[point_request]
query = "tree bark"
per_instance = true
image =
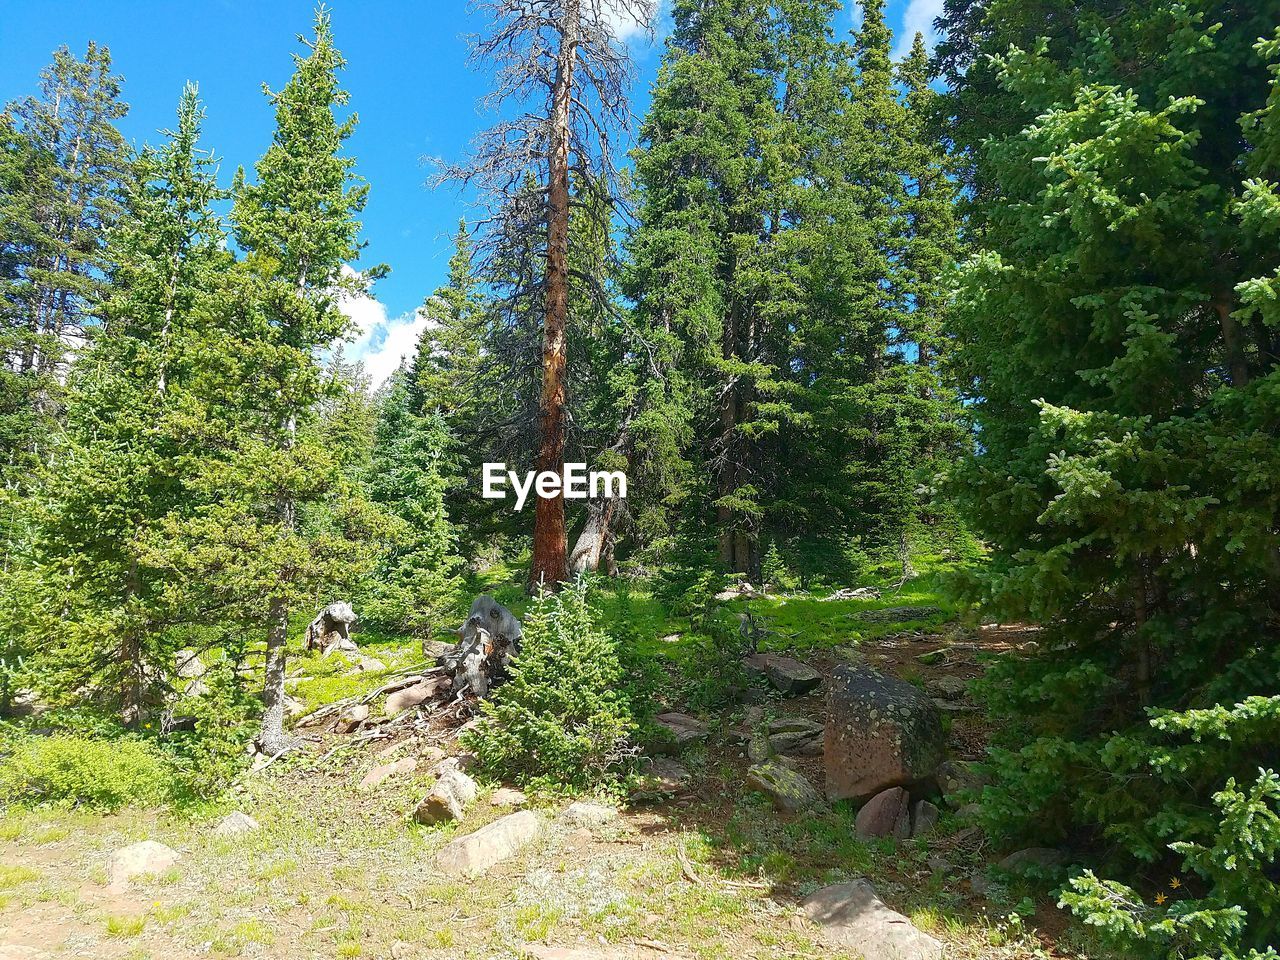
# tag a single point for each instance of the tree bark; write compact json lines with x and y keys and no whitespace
{"x":591,"y":549}
{"x":272,"y":738}
{"x":550,"y":542}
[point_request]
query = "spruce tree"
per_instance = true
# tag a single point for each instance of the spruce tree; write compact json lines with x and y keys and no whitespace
{"x":1116,"y":341}
{"x":415,"y":587}
{"x":117,"y":471}
{"x":65,"y":165}
{"x":297,"y":226}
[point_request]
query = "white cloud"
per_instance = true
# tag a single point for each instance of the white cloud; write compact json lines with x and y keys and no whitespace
{"x":918,"y":18}
{"x":380,"y":342}
{"x":623,"y":22}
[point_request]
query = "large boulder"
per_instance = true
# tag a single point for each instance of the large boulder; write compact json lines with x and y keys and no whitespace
{"x":139,"y":859}
{"x":475,"y":853}
{"x":881,"y":733}
{"x":854,"y":918}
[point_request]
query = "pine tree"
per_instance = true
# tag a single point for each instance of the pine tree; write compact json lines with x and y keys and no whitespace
{"x":1116,"y":341}
{"x":415,"y":586}
{"x":64,"y":168}
{"x":297,"y":226}
{"x":117,"y":470}
{"x":699,"y":258}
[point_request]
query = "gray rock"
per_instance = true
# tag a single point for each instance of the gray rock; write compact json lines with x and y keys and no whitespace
{"x":807,"y":744}
{"x":448,"y":799}
{"x":881,"y":732}
{"x":785,"y":674}
{"x":789,"y":789}
{"x":796,"y":725}
{"x":139,"y":859}
{"x":970,"y":811}
{"x":684,"y":729}
{"x":235,"y":824}
{"x":954,"y":778}
{"x":887,"y":814}
{"x":587,"y":815}
{"x":473,"y":854}
{"x":1043,"y":857}
{"x":947,"y":687}
{"x":662,"y":777}
{"x":852,"y":917}
{"x":954,"y":706}
{"x":924,"y":817}
{"x":189,"y":665}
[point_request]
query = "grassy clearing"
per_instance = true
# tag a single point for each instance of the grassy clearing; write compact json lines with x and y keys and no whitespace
{"x":334,"y":872}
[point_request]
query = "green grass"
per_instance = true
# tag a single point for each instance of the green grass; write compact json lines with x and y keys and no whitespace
{"x":127,"y":926}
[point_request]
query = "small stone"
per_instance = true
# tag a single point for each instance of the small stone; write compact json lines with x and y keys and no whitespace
{"x":947,"y":687}
{"x":932,"y":657}
{"x":806,"y":743}
{"x":954,"y":778}
{"x":365,"y":664}
{"x":431,"y":756}
{"x":854,"y":918}
{"x":785,"y":674}
{"x":939,"y":865}
{"x":662,"y":777}
{"x":448,"y":799}
{"x":887,"y":814}
{"x":349,"y":720}
{"x":924,"y":817}
{"x":473,"y":854}
{"x":508,"y":797}
{"x":405,"y":698}
{"x":789,"y":789}
{"x":671,"y":638}
{"x":588,"y":815}
{"x":970,"y":811}
{"x":385,"y":771}
{"x":683,"y":728}
{"x":235,"y":824}
{"x":139,"y":859}
{"x":953,"y":706}
{"x":1043,"y":857}
{"x":796,"y":725}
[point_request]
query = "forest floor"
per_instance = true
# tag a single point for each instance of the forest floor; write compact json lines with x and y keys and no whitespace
{"x":712,"y":872}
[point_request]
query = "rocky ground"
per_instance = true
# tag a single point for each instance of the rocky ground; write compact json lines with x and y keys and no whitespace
{"x":342,"y":852}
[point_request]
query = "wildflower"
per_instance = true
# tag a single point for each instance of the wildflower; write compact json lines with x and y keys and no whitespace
{"x":1174,"y":883}
{"x":1160,"y":899}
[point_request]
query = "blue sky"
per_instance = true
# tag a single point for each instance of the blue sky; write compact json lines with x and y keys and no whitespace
{"x":408,"y":81}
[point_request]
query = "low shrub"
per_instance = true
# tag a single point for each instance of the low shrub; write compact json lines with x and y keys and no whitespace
{"x":72,"y":770}
{"x":566,"y":718}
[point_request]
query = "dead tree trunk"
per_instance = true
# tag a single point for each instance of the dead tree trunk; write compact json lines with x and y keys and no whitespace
{"x":550,"y":542}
